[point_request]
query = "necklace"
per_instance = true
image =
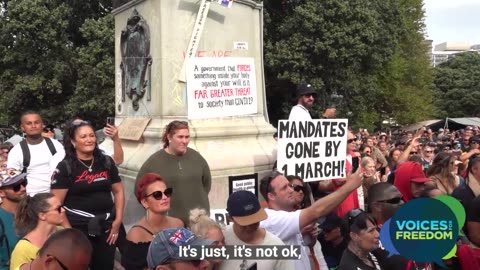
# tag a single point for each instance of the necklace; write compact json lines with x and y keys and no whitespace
{"x":88,"y":167}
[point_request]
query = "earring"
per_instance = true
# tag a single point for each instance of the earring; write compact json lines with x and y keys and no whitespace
{"x":146,"y":214}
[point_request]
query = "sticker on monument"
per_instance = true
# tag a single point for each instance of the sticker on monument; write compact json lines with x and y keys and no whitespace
{"x":226,"y":3}
{"x":240,"y":45}
{"x":313,"y":150}
{"x":221,"y":87}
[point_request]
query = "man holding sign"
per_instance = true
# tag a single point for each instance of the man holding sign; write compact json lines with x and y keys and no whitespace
{"x":305,"y":98}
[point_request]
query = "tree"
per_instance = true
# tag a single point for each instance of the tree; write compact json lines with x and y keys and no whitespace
{"x":35,"y":58}
{"x":95,"y":87}
{"x":57,"y":58}
{"x":457,"y":86}
{"x":358,"y":49}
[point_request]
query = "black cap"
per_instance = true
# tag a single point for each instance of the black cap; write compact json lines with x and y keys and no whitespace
{"x":305,"y":89}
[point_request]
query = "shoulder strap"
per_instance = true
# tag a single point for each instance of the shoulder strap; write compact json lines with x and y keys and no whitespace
{"x":3,"y":238}
{"x":52,"y":148}
{"x":26,"y":155}
{"x":68,"y":167}
{"x":141,"y":227}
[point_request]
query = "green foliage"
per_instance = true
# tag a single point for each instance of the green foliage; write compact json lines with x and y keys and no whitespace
{"x":371,"y":52}
{"x":457,"y":86}
{"x":96,"y":71}
{"x":54,"y":58}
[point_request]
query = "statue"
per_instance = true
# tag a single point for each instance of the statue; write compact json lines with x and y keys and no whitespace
{"x":136,"y":60}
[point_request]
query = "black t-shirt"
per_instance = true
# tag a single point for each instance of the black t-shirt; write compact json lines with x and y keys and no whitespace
{"x":87,"y":191}
{"x":331,"y":253}
{"x":465,"y":195}
{"x":473,"y":210}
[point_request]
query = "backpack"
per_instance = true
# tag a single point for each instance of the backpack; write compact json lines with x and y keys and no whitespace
{"x":4,"y":240}
{"x":26,"y":152}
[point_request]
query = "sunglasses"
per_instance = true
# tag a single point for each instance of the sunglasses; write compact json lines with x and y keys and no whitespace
{"x":428,"y":152}
{"x":17,"y":187}
{"x":47,"y":130}
{"x":351,"y":140}
{"x":396,"y":200}
{"x":80,"y":123}
{"x":352,"y":215}
{"x":309,"y":95}
{"x":368,"y":152}
{"x":297,"y":188}
{"x":58,"y":209}
{"x":158,"y":195}
{"x":413,"y":153}
{"x":59,"y":262}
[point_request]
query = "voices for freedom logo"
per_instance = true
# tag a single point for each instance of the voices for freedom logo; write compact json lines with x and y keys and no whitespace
{"x":424,"y":230}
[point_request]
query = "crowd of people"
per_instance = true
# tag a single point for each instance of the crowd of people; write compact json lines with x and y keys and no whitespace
{"x":63,"y":203}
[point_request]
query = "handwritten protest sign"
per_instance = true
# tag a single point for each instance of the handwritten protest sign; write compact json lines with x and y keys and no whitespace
{"x":313,"y":150}
{"x":219,"y":87}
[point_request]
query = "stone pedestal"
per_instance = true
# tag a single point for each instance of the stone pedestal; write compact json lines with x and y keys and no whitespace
{"x":233,"y":145}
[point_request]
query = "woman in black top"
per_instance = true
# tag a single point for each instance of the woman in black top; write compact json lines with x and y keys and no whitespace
{"x":153,"y":194}
{"x":360,"y":230}
{"x":84,"y":182}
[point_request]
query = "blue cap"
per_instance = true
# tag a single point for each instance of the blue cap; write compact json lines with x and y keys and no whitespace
{"x":244,"y":208}
{"x":166,"y":244}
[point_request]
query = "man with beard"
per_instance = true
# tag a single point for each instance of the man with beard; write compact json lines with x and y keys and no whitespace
{"x":12,"y":190}
{"x":44,"y":155}
{"x":305,"y":98}
{"x":244,"y":209}
{"x":288,"y":224}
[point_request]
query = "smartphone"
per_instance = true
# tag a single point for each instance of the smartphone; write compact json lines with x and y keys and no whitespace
{"x":355,"y":164}
{"x":253,"y":266}
{"x":111,"y":121}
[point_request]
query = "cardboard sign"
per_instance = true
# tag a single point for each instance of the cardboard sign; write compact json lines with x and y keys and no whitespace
{"x":243,"y":182}
{"x":220,"y":87}
{"x":313,"y":150}
{"x":132,"y":128}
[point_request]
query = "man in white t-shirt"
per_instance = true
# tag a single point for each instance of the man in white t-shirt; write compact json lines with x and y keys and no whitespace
{"x":288,"y":224}
{"x":245,"y":210}
{"x":305,"y":98}
{"x":42,"y":162}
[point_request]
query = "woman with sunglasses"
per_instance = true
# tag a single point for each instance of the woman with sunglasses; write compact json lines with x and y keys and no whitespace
{"x":37,"y":218}
{"x":359,"y":229}
{"x":154,"y":196}
{"x":84,"y":182}
{"x":183,"y":169}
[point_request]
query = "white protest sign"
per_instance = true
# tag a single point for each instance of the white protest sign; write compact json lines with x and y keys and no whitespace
{"x":219,"y":87}
{"x":313,"y":150}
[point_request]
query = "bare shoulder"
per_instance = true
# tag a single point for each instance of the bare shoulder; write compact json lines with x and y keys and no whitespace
{"x":175,"y":222}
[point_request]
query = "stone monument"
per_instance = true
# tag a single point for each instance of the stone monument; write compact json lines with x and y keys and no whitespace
{"x":154,"y":42}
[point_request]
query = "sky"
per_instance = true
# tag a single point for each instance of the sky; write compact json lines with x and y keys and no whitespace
{"x":453,"y":20}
